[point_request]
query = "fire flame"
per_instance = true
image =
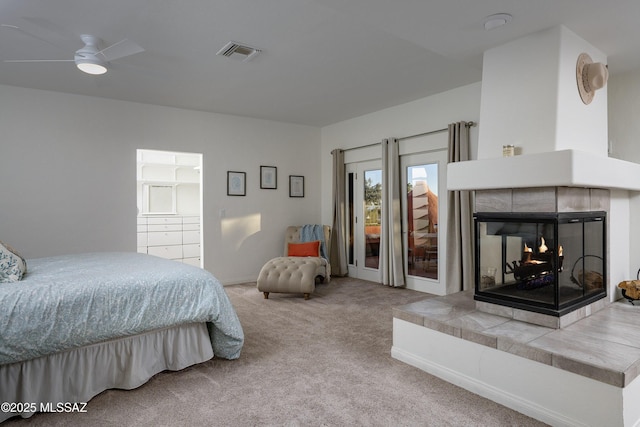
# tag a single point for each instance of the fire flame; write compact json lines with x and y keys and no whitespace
{"x":542,"y":248}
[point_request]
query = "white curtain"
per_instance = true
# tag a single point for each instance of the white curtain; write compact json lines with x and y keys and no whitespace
{"x":391,"y":261}
{"x":459,"y":261}
{"x":338,"y":248}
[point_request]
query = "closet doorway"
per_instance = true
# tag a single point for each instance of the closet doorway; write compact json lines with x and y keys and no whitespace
{"x":169,"y":200}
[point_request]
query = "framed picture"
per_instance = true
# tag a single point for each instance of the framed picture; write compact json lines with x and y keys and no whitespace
{"x":296,"y":186}
{"x":236,"y":183}
{"x":269,"y":177}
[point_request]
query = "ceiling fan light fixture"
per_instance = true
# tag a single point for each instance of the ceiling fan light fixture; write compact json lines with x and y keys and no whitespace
{"x":91,"y":66}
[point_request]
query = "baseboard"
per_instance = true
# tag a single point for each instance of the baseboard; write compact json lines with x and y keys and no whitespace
{"x":435,"y":288}
{"x":544,"y":392}
{"x":485,"y":390}
{"x":239,"y":280}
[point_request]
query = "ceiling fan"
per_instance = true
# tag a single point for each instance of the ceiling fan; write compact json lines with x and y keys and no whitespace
{"x":90,"y":58}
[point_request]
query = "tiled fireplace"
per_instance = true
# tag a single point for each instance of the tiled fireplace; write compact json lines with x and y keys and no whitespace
{"x":560,"y":172}
{"x":541,"y":253}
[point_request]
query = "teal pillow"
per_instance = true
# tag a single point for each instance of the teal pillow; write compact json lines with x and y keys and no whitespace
{"x":12,"y":265}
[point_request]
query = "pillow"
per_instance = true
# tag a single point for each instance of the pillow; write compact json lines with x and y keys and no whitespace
{"x":305,"y":249}
{"x":12,"y":265}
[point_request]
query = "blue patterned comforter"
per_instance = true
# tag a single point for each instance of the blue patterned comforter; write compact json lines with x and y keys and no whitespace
{"x":70,"y":301}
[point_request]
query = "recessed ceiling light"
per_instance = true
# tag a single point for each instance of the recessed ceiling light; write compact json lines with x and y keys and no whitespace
{"x":497,"y":20}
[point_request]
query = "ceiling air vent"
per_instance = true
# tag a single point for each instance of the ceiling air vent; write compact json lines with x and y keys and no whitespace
{"x":239,"y":51}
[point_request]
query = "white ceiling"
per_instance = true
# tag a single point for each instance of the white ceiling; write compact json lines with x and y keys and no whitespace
{"x":323,"y":61}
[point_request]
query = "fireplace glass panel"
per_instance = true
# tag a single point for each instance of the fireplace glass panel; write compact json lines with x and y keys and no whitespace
{"x":549,"y":263}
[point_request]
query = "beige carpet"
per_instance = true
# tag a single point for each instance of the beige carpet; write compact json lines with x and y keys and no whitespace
{"x":321,"y":362}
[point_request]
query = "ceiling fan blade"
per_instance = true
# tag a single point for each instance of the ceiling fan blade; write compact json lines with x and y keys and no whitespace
{"x":28,"y":34}
{"x":120,"y":49}
{"x":38,"y":60}
{"x":53,"y":29}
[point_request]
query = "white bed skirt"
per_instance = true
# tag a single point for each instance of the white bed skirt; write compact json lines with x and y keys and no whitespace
{"x":77,"y":375}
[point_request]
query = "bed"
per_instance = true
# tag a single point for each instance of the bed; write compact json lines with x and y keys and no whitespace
{"x":75,"y":326}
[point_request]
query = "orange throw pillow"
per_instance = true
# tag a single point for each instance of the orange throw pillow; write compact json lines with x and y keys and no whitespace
{"x":305,"y":249}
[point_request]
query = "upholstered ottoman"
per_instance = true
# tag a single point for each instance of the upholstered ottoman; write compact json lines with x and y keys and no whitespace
{"x":290,"y":275}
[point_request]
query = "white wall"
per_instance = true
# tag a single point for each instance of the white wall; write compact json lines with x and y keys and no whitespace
{"x":68,"y":174}
{"x":624,"y":113}
{"x":530,"y":97}
{"x":624,"y":128}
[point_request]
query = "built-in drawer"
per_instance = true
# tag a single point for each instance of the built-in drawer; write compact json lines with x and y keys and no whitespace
{"x":191,"y":227}
{"x":191,"y":251}
{"x":164,"y":227}
{"x":142,"y":220}
{"x":142,"y":228}
{"x":190,"y":237}
{"x":164,"y":220}
{"x":164,"y":238}
{"x":191,"y":220}
{"x":169,"y":252}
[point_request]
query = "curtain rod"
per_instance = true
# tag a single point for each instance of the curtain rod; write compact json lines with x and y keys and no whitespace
{"x":467,"y":124}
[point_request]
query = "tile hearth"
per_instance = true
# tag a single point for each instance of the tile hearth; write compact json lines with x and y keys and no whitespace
{"x":604,"y":346}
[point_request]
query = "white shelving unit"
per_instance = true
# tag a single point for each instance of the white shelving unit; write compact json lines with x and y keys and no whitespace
{"x":169,"y":197}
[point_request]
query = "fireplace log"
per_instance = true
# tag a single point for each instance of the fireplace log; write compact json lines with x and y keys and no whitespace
{"x":630,"y":289}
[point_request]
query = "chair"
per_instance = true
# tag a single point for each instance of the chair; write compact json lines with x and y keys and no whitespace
{"x":295,"y":274}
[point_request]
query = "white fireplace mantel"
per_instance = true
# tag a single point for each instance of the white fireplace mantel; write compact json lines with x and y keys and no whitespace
{"x":565,"y":168}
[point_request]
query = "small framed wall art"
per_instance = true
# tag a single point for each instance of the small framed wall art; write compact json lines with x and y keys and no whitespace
{"x":269,"y":177}
{"x":236,"y":183}
{"x":296,"y":186}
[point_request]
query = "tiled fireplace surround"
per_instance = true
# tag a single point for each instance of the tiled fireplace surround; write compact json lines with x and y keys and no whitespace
{"x":542,"y":200}
{"x":589,"y":359}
